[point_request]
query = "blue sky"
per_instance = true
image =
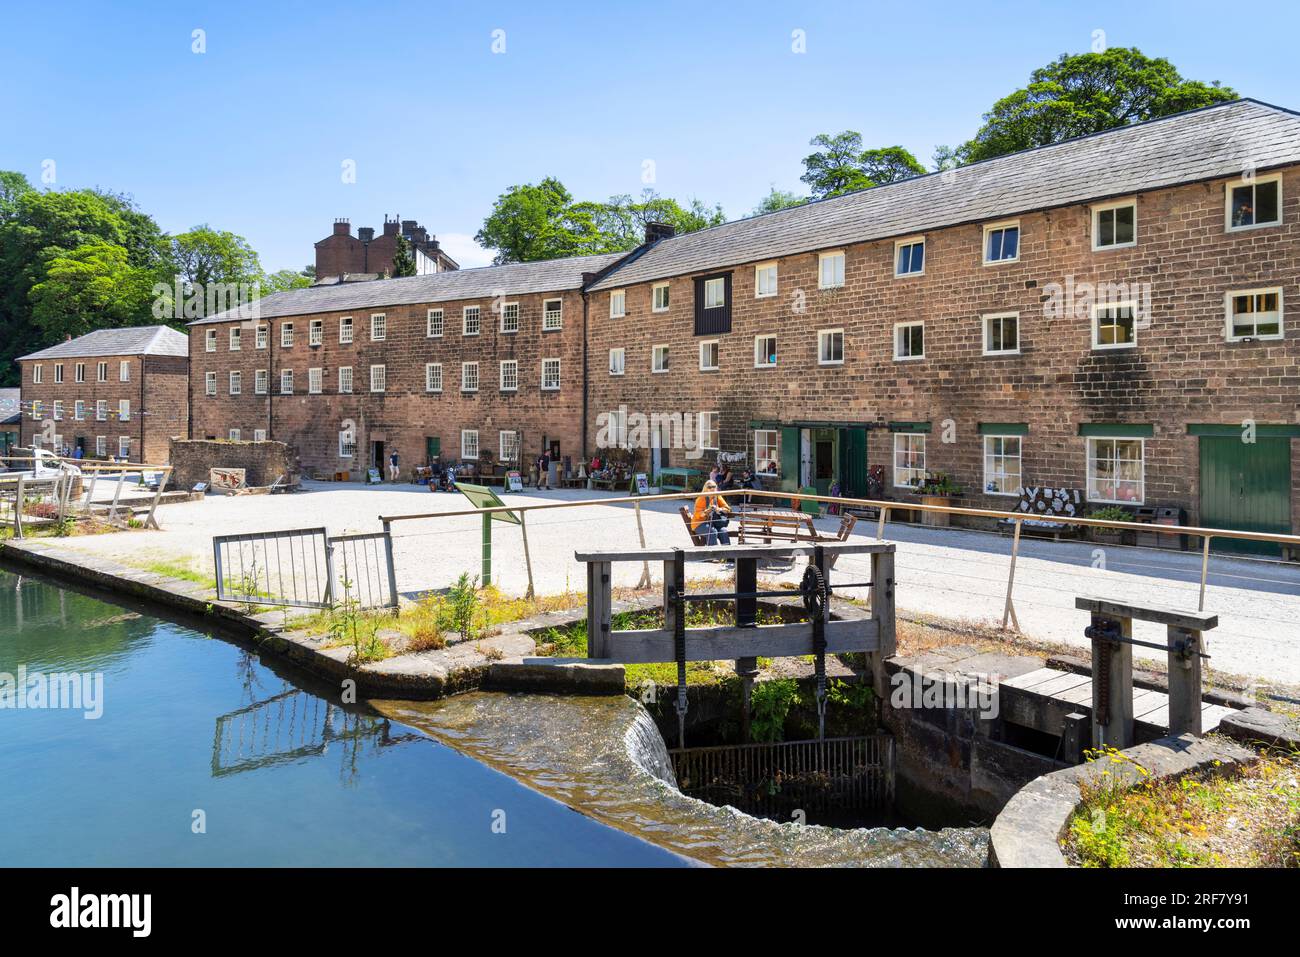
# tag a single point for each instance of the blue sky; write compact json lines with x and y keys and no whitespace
{"x":251,"y":135}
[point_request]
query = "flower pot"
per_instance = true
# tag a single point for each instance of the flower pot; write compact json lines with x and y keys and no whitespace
{"x":936,"y":519}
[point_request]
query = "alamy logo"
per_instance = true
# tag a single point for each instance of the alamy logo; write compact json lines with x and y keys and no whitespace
{"x":622,"y":429}
{"x":37,"y":691}
{"x":103,"y":910}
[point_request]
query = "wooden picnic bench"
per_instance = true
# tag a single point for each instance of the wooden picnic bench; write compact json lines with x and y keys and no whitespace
{"x":782,"y":526}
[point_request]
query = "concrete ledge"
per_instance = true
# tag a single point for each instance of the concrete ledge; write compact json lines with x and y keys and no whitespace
{"x":561,"y":675}
{"x":1259,"y":727}
{"x":1029,"y":830}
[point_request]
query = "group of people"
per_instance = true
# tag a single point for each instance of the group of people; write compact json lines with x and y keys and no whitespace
{"x":712,"y":514}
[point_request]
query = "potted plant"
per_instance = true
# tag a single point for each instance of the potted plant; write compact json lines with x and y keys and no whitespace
{"x":1110,"y":536}
{"x":937,"y":488}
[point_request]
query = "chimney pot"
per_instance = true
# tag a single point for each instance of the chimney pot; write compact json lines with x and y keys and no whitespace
{"x":657,"y":231}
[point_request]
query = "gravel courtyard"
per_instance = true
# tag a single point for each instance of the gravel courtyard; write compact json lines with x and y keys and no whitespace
{"x":951,"y":573}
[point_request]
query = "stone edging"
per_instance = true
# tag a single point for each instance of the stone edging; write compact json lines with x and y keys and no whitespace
{"x":1028,"y":831}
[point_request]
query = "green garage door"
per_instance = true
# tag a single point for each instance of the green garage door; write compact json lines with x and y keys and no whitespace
{"x":1246,"y":486}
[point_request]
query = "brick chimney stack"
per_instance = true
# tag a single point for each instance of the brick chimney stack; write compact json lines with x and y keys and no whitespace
{"x":342,"y":227}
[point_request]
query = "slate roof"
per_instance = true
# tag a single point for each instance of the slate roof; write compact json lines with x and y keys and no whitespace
{"x":10,"y":411}
{"x":485,"y":282}
{"x":1212,"y":142}
{"x":132,"y":341}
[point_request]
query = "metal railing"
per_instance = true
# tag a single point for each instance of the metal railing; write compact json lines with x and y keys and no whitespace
{"x":305,"y":568}
{"x":76,"y":486}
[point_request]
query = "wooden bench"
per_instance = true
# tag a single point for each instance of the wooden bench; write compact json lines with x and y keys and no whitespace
{"x":1040,"y":504}
{"x":697,"y":538}
{"x":789,"y":526}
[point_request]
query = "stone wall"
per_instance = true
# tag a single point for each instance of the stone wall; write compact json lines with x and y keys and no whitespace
{"x":263,"y":462}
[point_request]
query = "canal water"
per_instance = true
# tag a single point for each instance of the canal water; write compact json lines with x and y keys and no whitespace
{"x":176,"y":747}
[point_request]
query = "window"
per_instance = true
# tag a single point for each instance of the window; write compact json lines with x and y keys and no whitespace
{"x":261,"y":335}
{"x":38,"y":374}
{"x":469,"y":321}
{"x":509,"y":317}
{"x":1116,"y":471}
{"x":1253,"y":204}
{"x":709,"y":355}
{"x":345,"y":330}
{"x":830,"y":347}
{"x":101,"y":371}
{"x":80,"y":375}
{"x":469,"y":443}
{"x":210,"y":383}
{"x":210,"y":341}
{"x":236,"y":338}
{"x":659,"y":359}
{"x":345,"y":380}
{"x":909,"y":458}
{"x":552,"y":315}
{"x":909,"y":340}
{"x":550,"y":374}
{"x":508,"y":446}
{"x":261,"y":381}
{"x":378,"y":378}
{"x":315,"y":332}
{"x":433,"y":377}
{"x":709,"y":431}
{"x":712,"y":304}
{"x":1002,"y":464}
{"x":433,"y":324}
{"x":616,"y":361}
{"x":617,"y":304}
{"x":79,"y":410}
{"x":234,"y":435}
{"x":101,"y":445}
{"x":659,"y":297}
{"x":1002,"y":243}
{"x":715,"y":293}
{"x":259,"y":435}
{"x":909,"y":257}
{"x":37,"y":408}
{"x":315,"y":380}
{"x":469,"y":377}
{"x":764,"y":280}
{"x":764,"y":351}
{"x":1254,"y":314}
{"x":286,"y":382}
{"x":830,"y":270}
{"x":286,"y":335}
{"x":1113,"y":326}
{"x":123,"y":371}
{"x":509,"y":375}
{"x":378,"y":327}
{"x":1114,"y":225}
{"x":124,"y":447}
{"x":767,"y":458}
{"x":58,"y":372}
{"x":236,"y":382}
{"x":101,"y":405}
{"x":347,"y":443}
{"x":1002,"y":334}
{"x":58,"y":410}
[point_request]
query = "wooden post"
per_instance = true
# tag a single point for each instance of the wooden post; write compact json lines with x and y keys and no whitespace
{"x":1184,"y":681}
{"x":528,"y":561}
{"x":1008,"y":609}
{"x":1205,"y":569}
{"x":746,"y":617}
{"x":150,"y":521}
{"x":645,"y":566}
{"x":1112,"y":686}
{"x":485,"y":564}
{"x":18,"y":507}
{"x":117,"y":495}
{"x":882,"y":610}
{"x":880,"y":528}
{"x":1075,"y":736}
{"x":598,"y":609}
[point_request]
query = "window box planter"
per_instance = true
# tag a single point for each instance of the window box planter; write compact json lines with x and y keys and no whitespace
{"x":1110,"y":536}
{"x":937,"y":490}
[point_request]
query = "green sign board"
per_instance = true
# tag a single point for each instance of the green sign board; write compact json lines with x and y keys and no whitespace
{"x":483,"y":497}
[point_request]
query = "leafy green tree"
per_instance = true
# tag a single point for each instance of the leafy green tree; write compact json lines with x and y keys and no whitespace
{"x":539,"y":221}
{"x":285,"y":279}
{"x":12,"y":185}
{"x":889,"y":165}
{"x":622,"y":220}
{"x":205,"y":255}
{"x":778,"y":199}
{"x":92,"y":287}
{"x":836,"y":168}
{"x":403,"y":258}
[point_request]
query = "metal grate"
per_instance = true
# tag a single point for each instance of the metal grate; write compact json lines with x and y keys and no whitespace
{"x":774,"y":780}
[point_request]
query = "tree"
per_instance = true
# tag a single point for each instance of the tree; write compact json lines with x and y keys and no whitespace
{"x":622,"y":220}
{"x":889,"y":165}
{"x":205,"y":255}
{"x":835,"y":169}
{"x":1086,"y":93}
{"x":542,"y":221}
{"x":12,"y":185}
{"x":284,"y":279}
{"x":778,"y":199}
{"x":92,"y":287}
{"x":403,"y":258}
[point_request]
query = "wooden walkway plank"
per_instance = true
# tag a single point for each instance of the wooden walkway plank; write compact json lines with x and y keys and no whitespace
{"x":1029,"y":679}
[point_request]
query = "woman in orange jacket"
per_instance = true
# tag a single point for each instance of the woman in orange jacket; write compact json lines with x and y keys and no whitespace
{"x":713,"y":512}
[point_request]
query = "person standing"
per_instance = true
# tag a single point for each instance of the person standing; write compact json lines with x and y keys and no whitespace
{"x":394,"y":466}
{"x":544,"y":470}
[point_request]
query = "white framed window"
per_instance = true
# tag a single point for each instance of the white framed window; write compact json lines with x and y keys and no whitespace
{"x":101,"y":371}
{"x":909,"y":340}
{"x":617,"y":304}
{"x":58,"y":410}
{"x":347,"y":443}
{"x":660,"y":297}
{"x":1116,"y":470}
{"x":469,"y":377}
{"x":79,"y":410}
{"x":710,"y":355}
{"x":37,"y":408}
{"x":710,"y":431}
{"x":261,"y":336}
{"x":236,"y":338}
{"x":715,"y":293}
{"x":909,"y":257}
{"x":830,"y":347}
{"x":210,"y":341}
{"x":469,"y":443}
{"x":509,"y":317}
{"x":617,"y":360}
{"x":830,"y":269}
{"x":764,"y":351}
{"x":508,"y":446}
{"x":1114,"y":225}
{"x":909,"y":458}
{"x":345,"y":380}
{"x":552,"y":314}
{"x":101,"y":445}
{"x":1002,"y":242}
{"x":470,"y":319}
{"x":259,"y":435}
{"x":101,"y":405}
{"x":286,"y":335}
{"x":433,"y":377}
{"x":1254,"y":314}
{"x":123,"y":371}
{"x":1002,"y":334}
{"x":315,"y":380}
{"x":550,"y":374}
{"x":210,"y":383}
{"x":767,"y":454}
{"x":286,"y":382}
{"x":378,"y":327}
{"x":261,"y":381}
{"x":1114,"y":326}
{"x":765,"y":280}
{"x":233,"y":435}
{"x":659,"y":359}
{"x":378,"y":378}
{"x":1249,"y":205}
{"x":433,"y":324}
{"x":315,"y":332}
{"x":124,"y":447}
{"x":58,"y":372}
{"x":38,"y":374}
{"x":1002,"y":464}
{"x":346,"y":330}
{"x":236,"y":382}
{"x":509,"y":375}
{"x":80,"y":372}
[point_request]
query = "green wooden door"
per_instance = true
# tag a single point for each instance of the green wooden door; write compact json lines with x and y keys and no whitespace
{"x":853,"y":462}
{"x":432,"y":447}
{"x":789,"y":460}
{"x":1246,"y":486}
